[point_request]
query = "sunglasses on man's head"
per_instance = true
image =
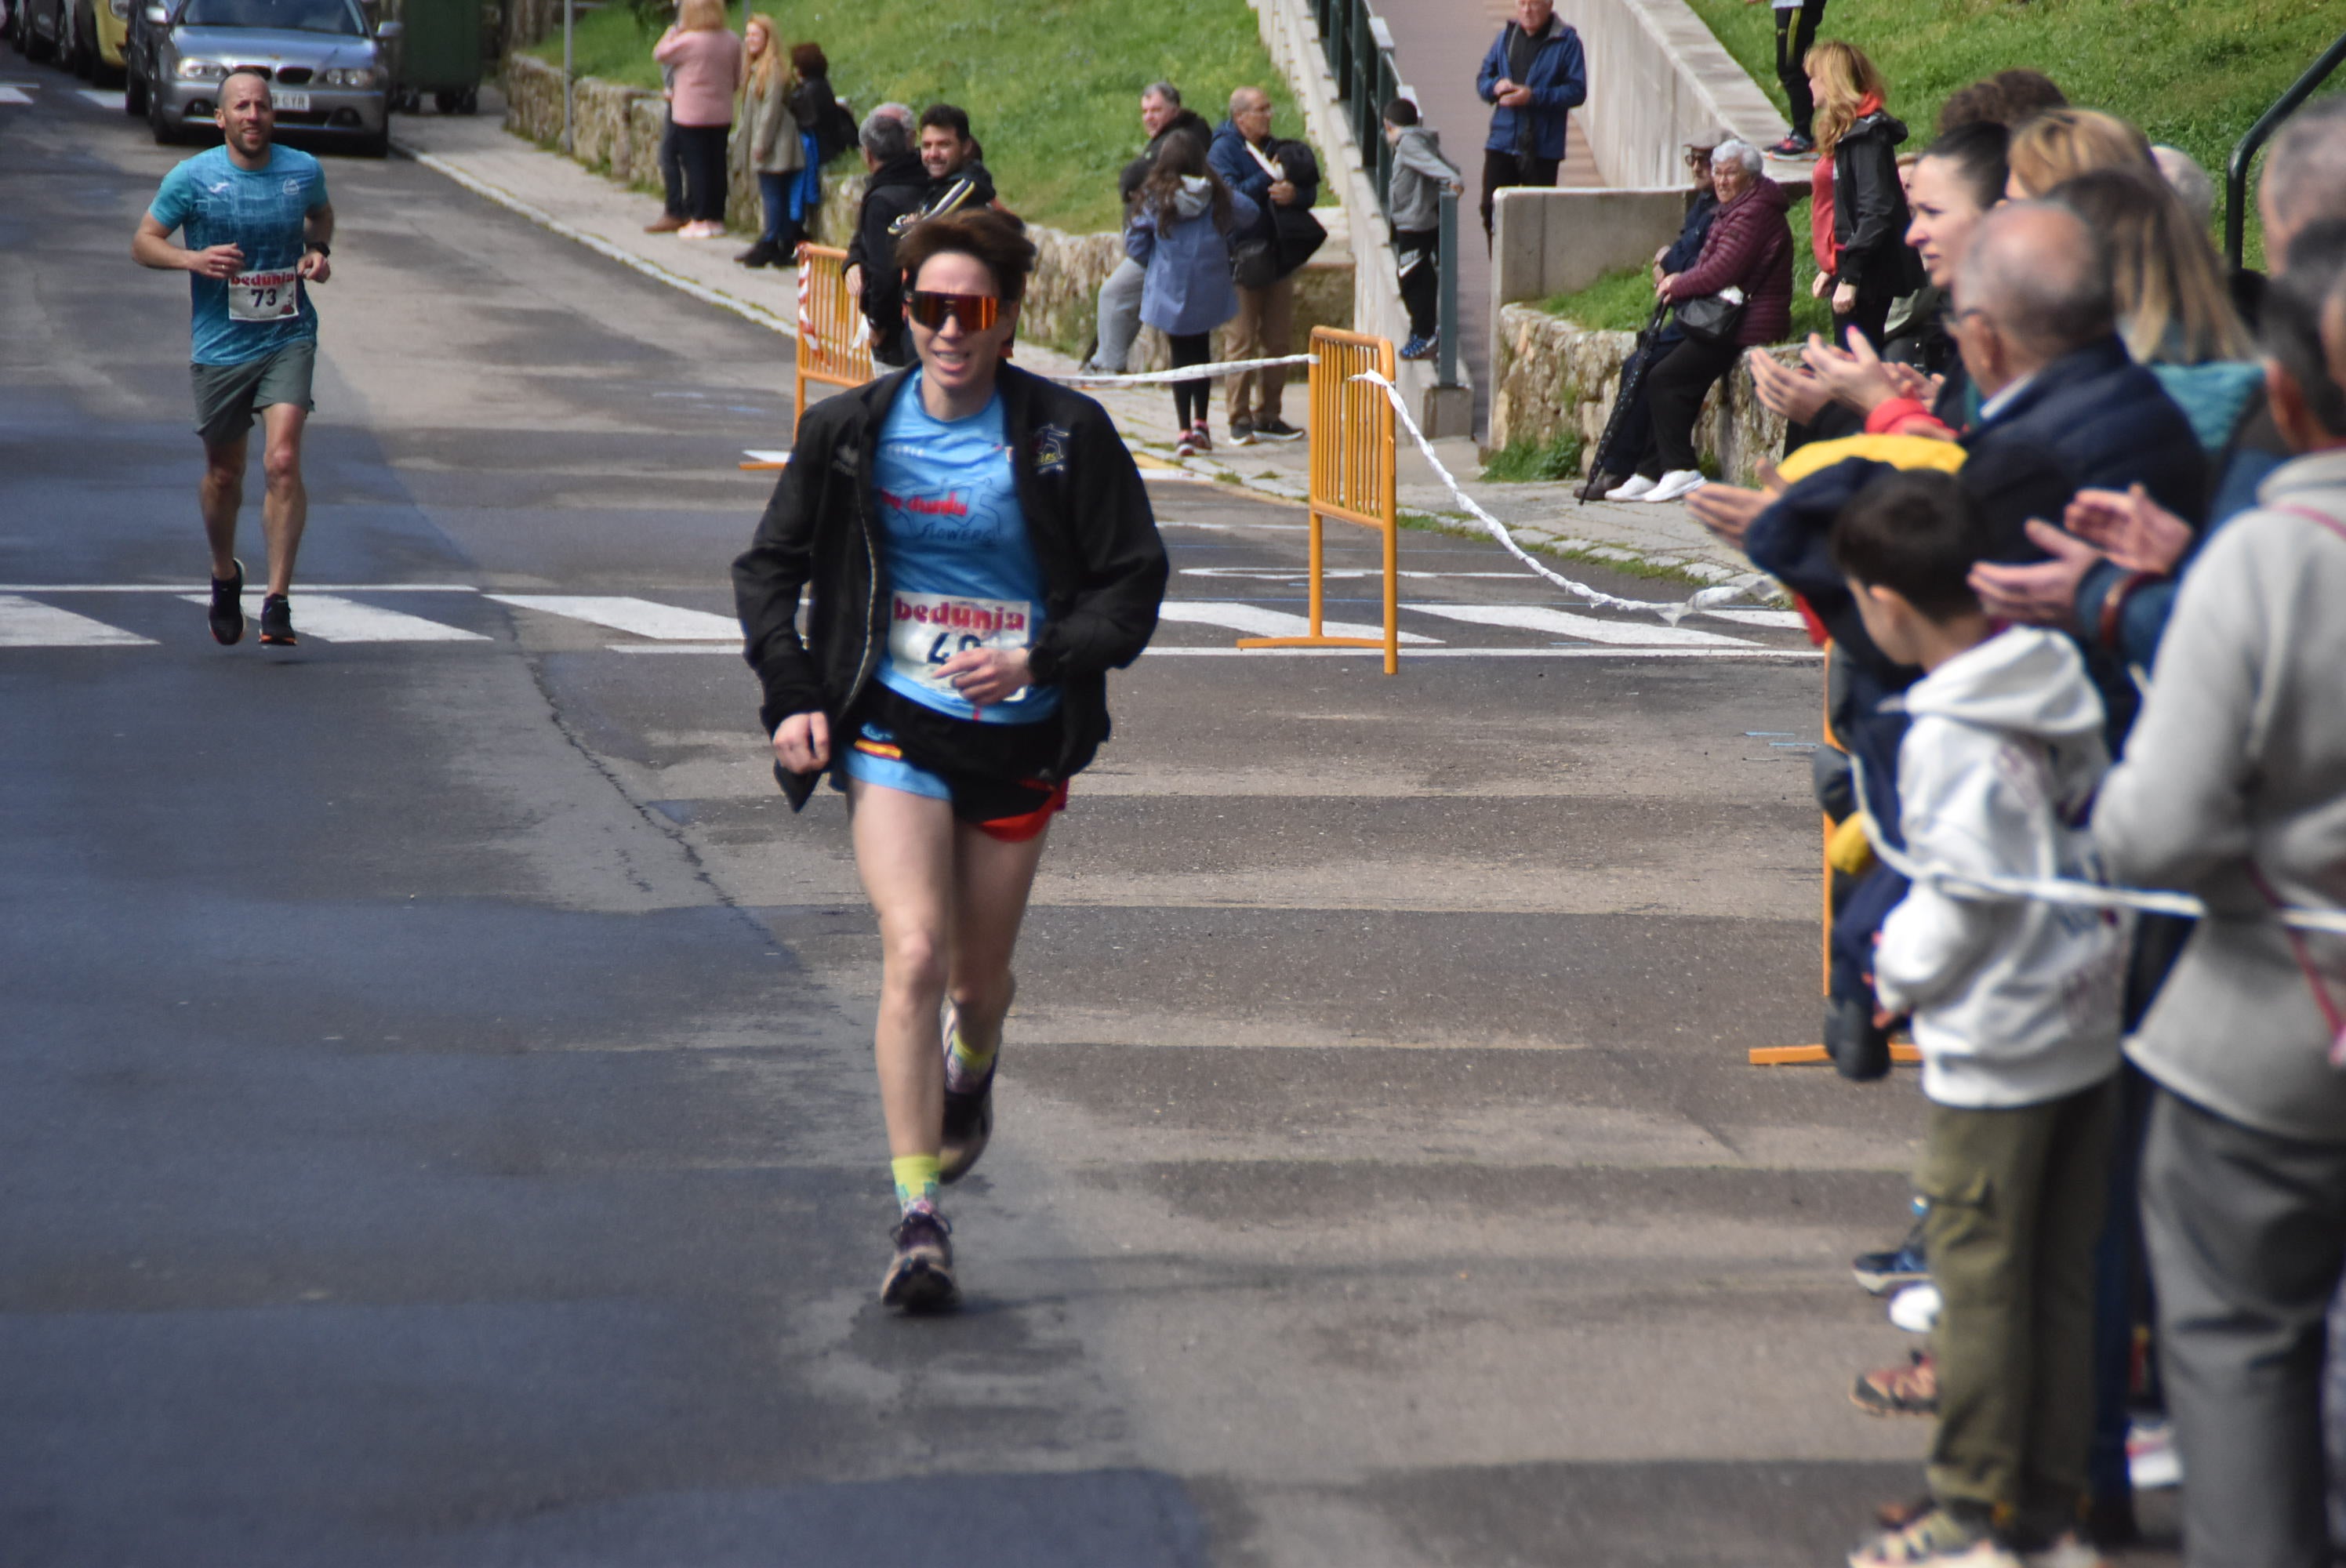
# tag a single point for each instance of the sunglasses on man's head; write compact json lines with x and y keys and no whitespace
{"x":975,"y":312}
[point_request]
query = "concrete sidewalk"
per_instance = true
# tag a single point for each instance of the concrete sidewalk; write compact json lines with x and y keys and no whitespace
{"x":609,"y":218}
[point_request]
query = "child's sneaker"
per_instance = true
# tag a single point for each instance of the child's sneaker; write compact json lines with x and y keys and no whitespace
{"x":1911,"y":1389}
{"x":1418,"y":348}
{"x":1941,"y":1537}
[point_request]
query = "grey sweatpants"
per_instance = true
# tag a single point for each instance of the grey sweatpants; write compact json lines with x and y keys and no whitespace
{"x":2247,"y":1235}
{"x":1119,"y":315}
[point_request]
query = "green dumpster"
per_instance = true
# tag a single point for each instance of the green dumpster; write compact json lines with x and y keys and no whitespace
{"x":439,"y":53}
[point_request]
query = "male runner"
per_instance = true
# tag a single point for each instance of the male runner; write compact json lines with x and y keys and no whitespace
{"x":258,"y":226}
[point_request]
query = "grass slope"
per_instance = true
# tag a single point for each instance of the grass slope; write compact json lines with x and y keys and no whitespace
{"x":2195,"y":73}
{"x":1051,"y":86}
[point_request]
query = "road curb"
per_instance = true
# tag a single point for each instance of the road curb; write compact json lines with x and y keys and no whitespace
{"x":546,"y":220}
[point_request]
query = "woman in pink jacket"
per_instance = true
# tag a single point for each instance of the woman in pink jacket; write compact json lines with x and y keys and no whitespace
{"x":706,"y":62}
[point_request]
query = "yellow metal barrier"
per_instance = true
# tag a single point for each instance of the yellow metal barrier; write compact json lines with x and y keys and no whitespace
{"x":829,"y":319}
{"x":1351,"y":475}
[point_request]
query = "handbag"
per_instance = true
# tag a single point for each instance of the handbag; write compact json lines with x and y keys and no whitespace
{"x":1714,"y":318}
{"x":1254,"y":263}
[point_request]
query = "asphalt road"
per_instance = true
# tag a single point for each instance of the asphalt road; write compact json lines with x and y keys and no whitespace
{"x":438,"y":1122}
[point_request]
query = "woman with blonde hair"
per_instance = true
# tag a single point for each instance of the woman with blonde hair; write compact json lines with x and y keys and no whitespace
{"x":706,"y":58}
{"x":772,"y":144}
{"x":2062,"y":144}
{"x":1857,"y":215}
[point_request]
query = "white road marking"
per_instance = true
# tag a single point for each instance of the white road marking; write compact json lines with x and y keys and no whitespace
{"x":1788,"y":619}
{"x":1177,"y":475}
{"x":103,"y":100}
{"x":1254,"y":620}
{"x":181,"y":588}
{"x":13,"y":95}
{"x":663,"y":623}
{"x":28,"y":624}
{"x":1563,"y":622}
{"x":765,"y":455}
{"x":1582,"y":651}
{"x":332,"y":619}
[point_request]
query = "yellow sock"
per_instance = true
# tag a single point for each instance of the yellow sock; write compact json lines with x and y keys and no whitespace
{"x":916,"y":1179}
{"x":967,"y":1058}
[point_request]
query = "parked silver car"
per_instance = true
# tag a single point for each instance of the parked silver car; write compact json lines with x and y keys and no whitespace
{"x":327,"y":73}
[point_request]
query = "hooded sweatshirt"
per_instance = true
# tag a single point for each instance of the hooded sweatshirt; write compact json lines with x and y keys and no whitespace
{"x":1187,"y":286}
{"x":2014,"y":1001}
{"x":1419,"y":173}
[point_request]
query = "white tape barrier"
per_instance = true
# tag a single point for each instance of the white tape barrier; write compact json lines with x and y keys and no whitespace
{"x":1185,"y":373}
{"x":1670,"y":612}
{"x":2062,"y":889}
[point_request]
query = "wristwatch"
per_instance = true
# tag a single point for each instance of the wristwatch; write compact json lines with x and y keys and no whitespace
{"x":320,"y":247}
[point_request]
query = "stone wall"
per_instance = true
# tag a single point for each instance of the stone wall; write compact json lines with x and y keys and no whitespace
{"x":1552,"y":375}
{"x":616,"y":130}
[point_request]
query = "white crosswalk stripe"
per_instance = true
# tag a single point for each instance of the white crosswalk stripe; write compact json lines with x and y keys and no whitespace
{"x":1586,"y":629}
{"x":331,"y":618}
{"x":1256,"y":621}
{"x":103,"y":100}
{"x":662,"y":623}
{"x":29,"y":624}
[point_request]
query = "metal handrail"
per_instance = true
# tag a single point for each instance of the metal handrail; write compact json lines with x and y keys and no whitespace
{"x":1359,"y":48}
{"x":2236,"y":172}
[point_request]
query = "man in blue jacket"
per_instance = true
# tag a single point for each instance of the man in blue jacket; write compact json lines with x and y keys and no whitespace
{"x":1533,"y":74}
{"x":1282,"y":180}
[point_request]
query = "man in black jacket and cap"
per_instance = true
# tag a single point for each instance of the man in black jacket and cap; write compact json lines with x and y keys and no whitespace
{"x":896,"y":192}
{"x":1163,"y":118}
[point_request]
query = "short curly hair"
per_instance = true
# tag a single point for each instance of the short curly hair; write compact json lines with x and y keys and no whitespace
{"x":995,"y":239}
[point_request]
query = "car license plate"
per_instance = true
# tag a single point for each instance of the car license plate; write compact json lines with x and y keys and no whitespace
{"x":298,"y":102}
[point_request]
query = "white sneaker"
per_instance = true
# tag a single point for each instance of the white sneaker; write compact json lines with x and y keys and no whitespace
{"x":2152,"y":1463}
{"x":1677,"y":483}
{"x":1637,"y":489}
{"x":701,"y":231}
{"x":1915,"y":1308}
{"x":2070,"y":1550}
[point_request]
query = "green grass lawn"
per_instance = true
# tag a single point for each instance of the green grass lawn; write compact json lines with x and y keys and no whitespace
{"x":1051,"y":86}
{"x":2195,"y":73}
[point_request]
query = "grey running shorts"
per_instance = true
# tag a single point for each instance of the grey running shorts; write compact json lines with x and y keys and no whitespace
{"x":226,"y":395}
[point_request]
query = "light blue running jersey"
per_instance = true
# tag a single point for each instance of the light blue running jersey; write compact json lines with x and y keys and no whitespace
{"x":962,"y":572}
{"x":258,"y":211}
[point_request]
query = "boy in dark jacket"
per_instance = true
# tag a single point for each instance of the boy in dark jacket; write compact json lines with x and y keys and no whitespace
{"x":1420,"y":175}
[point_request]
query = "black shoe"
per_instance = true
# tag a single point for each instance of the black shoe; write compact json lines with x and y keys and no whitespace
{"x":228,"y":608}
{"x":1243,"y":431}
{"x":1859,"y":1047}
{"x":920,"y":1278}
{"x":764,"y":253}
{"x":1276,"y":430}
{"x":277,"y":622}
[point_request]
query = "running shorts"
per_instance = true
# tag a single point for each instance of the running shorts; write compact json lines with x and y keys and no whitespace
{"x":996,"y":777}
{"x":227,"y":395}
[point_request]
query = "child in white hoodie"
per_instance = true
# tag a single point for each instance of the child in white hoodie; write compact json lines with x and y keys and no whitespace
{"x":2014,"y":1005}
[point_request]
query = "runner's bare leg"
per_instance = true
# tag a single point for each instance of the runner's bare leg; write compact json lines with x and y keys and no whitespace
{"x":285,"y":508}
{"x":905,"y":853}
{"x":223,"y":494}
{"x":992,"y":879}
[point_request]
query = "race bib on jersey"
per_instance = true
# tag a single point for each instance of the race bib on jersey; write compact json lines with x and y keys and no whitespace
{"x":273,"y":295}
{"x":924,"y":630}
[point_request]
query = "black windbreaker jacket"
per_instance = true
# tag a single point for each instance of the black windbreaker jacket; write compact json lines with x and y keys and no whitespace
{"x":1088,"y":514}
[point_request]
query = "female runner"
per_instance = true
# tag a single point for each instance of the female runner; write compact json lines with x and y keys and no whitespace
{"x":981,"y":553}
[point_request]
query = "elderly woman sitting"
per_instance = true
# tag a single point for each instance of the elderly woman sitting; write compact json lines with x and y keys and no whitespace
{"x":1746,"y":261}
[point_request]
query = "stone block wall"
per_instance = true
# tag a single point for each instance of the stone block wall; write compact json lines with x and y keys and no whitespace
{"x":617,"y":131}
{"x":1553,"y":375}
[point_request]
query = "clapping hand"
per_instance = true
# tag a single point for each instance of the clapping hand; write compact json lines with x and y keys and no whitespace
{"x":2131,"y":528}
{"x":2044,"y":593}
{"x":1796,"y":394}
{"x":1854,"y":375}
{"x":1728,"y":511}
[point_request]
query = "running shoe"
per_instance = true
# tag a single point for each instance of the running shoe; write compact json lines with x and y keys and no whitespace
{"x":1241,"y":432}
{"x":277,"y":622}
{"x":1419,"y":347}
{"x":1201,"y":437}
{"x":1911,"y":1389}
{"x":1916,"y":1308}
{"x":1942,"y":1538}
{"x":2067,"y":1549}
{"x":1187,"y":446}
{"x":227,"y":607}
{"x":1793,"y":146}
{"x":969,"y":1112}
{"x":1276,"y":429}
{"x":1637,"y":487}
{"x":2152,"y":1463}
{"x":920,"y":1277}
{"x":1887,"y":1273}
